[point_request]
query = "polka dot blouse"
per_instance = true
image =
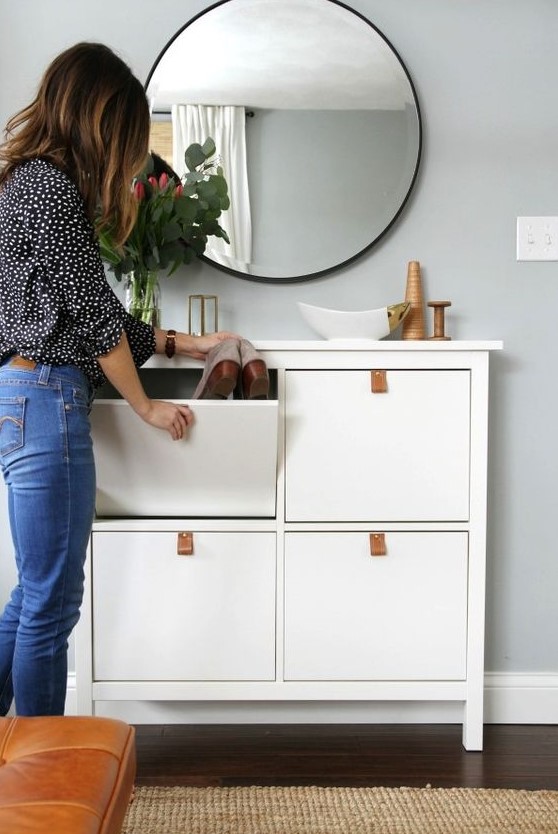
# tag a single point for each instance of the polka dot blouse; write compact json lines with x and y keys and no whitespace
{"x":56,"y":305}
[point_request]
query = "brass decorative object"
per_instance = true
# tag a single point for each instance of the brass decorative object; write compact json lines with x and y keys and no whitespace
{"x":203,"y":314}
{"x":439,"y":320}
{"x":413,"y":325}
{"x":396,"y":314}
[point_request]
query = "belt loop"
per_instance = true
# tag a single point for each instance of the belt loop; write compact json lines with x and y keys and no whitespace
{"x":44,"y":374}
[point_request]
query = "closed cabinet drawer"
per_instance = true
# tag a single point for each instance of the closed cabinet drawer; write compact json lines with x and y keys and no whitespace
{"x":225,"y":466}
{"x":161,"y":616}
{"x":353,"y":616}
{"x":354,"y":455}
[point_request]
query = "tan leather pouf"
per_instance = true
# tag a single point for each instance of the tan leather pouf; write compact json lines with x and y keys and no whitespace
{"x":65,"y":775}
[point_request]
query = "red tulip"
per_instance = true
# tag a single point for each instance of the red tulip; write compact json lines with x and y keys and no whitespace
{"x":153,"y":181}
{"x":139,"y":191}
{"x":163,"y":180}
{"x":178,"y":190}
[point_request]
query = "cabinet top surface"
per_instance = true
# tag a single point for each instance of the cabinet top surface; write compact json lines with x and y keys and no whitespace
{"x":346,"y":348}
{"x":377,"y":345}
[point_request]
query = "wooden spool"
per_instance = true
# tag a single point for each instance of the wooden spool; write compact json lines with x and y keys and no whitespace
{"x":439,"y":320}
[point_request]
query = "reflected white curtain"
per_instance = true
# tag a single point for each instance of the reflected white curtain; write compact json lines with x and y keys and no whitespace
{"x":227,"y":126}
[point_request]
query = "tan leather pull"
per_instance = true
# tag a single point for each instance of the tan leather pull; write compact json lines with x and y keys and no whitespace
{"x":185,"y":544}
{"x":378,"y":544}
{"x":378,"y":382}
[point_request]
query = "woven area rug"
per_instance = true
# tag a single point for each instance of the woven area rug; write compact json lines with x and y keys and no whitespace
{"x":312,"y":810}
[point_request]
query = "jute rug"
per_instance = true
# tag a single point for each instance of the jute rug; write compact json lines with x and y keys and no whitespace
{"x":311,"y":810}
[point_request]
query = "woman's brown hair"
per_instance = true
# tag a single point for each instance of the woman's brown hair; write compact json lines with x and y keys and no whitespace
{"x":90,"y":118}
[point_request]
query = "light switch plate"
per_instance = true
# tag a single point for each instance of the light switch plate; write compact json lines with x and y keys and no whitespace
{"x":537,"y":238}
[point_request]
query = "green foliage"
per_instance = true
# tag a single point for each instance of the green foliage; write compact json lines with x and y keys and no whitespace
{"x":175,"y":218}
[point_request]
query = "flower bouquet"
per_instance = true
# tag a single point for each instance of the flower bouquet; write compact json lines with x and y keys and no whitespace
{"x":175,"y":218}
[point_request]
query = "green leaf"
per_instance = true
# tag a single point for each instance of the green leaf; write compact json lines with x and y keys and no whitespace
{"x":194,"y":156}
{"x":220,"y":185}
{"x":209,"y":148}
{"x":171,"y":231}
{"x":186,"y":210}
{"x":206,"y":189}
{"x":193,"y":177}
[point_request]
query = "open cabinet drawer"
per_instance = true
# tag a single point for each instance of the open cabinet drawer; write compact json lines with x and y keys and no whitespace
{"x":225,"y":466}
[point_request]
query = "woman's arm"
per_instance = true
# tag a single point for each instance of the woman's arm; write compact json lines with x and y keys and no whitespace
{"x":195,"y":346}
{"x":118,"y":367}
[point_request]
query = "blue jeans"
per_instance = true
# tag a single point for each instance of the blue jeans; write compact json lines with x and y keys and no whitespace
{"x":46,"y":455}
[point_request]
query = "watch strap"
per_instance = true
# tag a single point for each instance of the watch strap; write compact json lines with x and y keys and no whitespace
{"x":170,"y":343}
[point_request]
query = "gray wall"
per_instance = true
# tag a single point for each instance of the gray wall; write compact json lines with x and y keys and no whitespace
{"x":485,"y":73}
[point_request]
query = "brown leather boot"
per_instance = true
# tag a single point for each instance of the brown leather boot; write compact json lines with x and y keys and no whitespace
{"x":222,"y":367}
{"x":255,"y":377}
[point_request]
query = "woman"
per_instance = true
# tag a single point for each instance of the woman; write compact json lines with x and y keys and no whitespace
{"x":73,"y":150}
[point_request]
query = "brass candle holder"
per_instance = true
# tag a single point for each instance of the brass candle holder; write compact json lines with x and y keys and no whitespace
{"x":203,"y":315}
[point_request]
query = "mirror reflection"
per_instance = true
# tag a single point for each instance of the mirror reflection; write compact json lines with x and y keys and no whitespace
{"x":316,"y":121}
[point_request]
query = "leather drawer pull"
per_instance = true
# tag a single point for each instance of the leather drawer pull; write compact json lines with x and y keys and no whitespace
{"x":185,"y":544}
{"x":378,"y":382}
{"x":378,"y":544}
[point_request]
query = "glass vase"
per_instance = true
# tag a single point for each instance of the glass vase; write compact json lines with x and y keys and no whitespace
{"x":143,"y":296}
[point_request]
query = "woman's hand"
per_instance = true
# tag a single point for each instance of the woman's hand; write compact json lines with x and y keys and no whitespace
{"x":172,"y":417}
{"x":119,"y":369}
{"x":203,"y":344}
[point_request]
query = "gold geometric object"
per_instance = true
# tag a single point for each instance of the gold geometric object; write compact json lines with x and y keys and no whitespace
{"x":200,"y":310}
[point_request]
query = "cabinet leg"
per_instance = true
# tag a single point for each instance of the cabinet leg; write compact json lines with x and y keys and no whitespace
{"x":473,"y":727}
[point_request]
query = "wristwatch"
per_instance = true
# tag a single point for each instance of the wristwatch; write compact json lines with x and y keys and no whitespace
{"x":170,"y":344}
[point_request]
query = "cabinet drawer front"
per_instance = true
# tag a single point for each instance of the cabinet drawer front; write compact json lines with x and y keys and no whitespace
{"x":225,"y":466}
{"x":161,"y":616}
{"x":353,"y":616}
{"x":403,"y":455}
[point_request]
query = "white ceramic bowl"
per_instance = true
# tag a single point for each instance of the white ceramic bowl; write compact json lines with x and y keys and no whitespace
{"x":341,"y":324}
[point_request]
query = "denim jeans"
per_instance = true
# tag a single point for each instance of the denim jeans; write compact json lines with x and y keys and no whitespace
{"x":46,"y":455}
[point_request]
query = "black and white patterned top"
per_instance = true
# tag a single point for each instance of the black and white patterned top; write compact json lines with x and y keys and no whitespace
{"x":56,"y":305}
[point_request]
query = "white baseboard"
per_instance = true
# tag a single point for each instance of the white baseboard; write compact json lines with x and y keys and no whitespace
{"x":510,"y":698}
{"x":520,"y":698}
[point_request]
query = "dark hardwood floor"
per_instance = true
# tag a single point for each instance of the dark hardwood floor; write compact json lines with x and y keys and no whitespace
{"x":346,"y":755}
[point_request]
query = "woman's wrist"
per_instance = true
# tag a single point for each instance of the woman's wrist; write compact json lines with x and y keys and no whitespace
{"x":166,"y":340}
{"x":170,"y":343}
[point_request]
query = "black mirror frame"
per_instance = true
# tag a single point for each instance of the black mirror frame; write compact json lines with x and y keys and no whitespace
{"x":338,"y":266}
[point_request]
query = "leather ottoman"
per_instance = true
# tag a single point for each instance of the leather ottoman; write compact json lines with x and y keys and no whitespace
{"x":65,"y":775}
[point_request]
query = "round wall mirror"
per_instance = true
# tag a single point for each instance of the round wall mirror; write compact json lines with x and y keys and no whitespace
{"x":316,"y":122}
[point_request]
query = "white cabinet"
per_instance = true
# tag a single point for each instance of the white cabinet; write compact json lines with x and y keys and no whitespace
{"x":339,"y":537}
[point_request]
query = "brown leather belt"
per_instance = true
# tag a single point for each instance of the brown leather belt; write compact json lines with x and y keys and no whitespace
{"x":17,"y":361}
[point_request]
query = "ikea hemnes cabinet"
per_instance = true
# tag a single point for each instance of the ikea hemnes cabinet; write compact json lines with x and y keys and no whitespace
{"x":344,"y":560}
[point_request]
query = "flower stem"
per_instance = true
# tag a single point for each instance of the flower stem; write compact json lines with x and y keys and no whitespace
{"x":142,"y":297}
